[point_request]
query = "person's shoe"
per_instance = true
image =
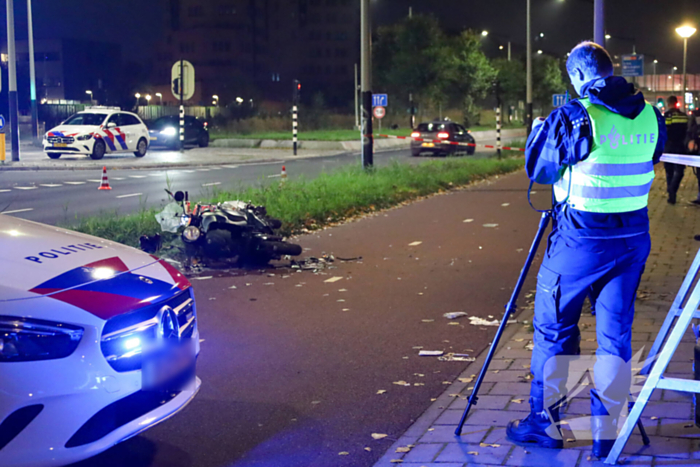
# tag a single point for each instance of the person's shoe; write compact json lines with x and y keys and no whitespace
{"x":697,"y":237}
{"x":602,"y":447}
{"x":536,"y":428}
{"x":671,"y":200}
{"x":696,"y":202}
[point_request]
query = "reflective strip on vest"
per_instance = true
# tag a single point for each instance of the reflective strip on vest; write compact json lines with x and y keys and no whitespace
{"x":617,"y":175}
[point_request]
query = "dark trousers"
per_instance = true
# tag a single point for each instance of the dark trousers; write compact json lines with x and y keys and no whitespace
{"x":674,"y":175}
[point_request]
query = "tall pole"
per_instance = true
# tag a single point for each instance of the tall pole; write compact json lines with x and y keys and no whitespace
{"x":182,"y":105}
{"x":528,"y":97}
{"x":357,"y":103}
{"x":32,"y":75}
{"x":12,"y":72}
{"x":685,"y":59}
{"x":509,"y":51}
{"x":599,"y":22}
{"x":654,"y":82}
{"x":366,"y":84}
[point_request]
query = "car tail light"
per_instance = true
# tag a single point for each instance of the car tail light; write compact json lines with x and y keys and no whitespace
{"x":415,"y":134}
{"x":206,"y":124}
{"x":443,"y":135}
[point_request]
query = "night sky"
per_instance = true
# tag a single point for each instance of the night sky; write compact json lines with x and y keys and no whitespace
{"x":137,"y":24}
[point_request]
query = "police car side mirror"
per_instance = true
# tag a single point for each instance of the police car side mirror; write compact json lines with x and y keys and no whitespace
{"x":111,"y":125}
{"x":179,"y":196}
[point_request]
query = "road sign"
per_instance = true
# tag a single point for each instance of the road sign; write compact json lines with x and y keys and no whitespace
{"x":2,"y":123}
{"x":380,"y":100}
{"x":633,"y":65}
{"x":558,"y":100}
{"x":379,"y":112}
{"x":177,"y":82}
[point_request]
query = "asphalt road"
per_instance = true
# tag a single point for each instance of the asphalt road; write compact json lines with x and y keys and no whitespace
{"x":292,"y":364}
{"x":62,"y":196}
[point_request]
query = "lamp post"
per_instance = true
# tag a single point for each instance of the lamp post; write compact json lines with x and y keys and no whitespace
{"x":88,"y":92}
{"x":653,"y":86}
{"x":685,"y":32}
{"x":137,"y":96}
{"x":148,"y":99}
{"x":160,"y":96}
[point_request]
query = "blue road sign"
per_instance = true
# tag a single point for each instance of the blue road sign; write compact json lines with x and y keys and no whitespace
{"x":2,"y":122}
{"x":380,"y":100}
{"x":633,"y":65}
{"x":558,"y":100}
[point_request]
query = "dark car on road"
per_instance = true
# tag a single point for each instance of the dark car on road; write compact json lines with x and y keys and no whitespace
{"x":434,"y":138}
{"x":165,"y":132}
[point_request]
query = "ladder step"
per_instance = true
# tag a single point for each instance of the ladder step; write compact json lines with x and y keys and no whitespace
{"x":677,"y":384}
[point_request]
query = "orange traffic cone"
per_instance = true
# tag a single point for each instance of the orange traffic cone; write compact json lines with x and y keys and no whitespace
{"x":105,"y":182}
{"x":283,"y":175}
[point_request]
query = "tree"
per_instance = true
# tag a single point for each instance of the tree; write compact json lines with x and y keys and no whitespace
{"x":511,"y":75}
{"x":546,"y":79}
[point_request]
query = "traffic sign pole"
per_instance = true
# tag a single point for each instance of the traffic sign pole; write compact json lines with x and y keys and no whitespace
{"x":182,"y":106}
{"x":12,"y":78}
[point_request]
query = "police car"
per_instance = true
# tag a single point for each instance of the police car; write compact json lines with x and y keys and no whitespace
{"x":98,"y":342}
{"x":97,"y":131}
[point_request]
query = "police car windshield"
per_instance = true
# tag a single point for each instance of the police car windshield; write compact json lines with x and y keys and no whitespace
{"x":432,"y":127}
{"x":85,"y":119}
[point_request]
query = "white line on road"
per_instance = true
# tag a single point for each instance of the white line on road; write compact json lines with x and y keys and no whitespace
{"x":25,"y":188}
{"x":50,"y":185}
{"x":155,"y":174}
{"x":92,"y":180}
{"x":203,"y":170}
{"x":18,"y":210}
{"x":137,"y":176}
{"x":188,"y":171}
{"x":129,"y":196}
{"x":211,"y":184}
{"x":5,"y":191}
{"x":74,"y":183}
{"x":230,"y":166}
{"x":118,"y":178}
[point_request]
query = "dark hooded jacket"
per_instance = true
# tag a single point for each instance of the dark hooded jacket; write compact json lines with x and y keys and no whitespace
{"x":558,"y":143}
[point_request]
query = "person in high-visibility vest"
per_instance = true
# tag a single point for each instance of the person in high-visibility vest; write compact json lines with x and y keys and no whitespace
{"x":599,"y":153}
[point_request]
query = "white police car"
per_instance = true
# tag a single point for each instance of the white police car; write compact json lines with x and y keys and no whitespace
{"x":97,"y":131}
{"x":98,"y":342}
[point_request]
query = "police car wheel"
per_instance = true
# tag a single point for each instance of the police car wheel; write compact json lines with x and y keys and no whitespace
{"x":98,"y":150}
{"x":141,"y":148}
{"x":53,"y":155}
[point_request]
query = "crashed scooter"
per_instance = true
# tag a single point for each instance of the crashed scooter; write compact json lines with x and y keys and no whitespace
{"x":228,"y":230}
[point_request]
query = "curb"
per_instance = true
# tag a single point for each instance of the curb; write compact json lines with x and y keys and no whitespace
{"x":443,"y":402}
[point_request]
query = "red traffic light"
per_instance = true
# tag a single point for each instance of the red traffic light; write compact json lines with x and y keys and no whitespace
{"x":299,"y":86}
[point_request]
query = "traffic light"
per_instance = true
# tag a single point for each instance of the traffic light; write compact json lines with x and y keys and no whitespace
{"x":296,"y":94}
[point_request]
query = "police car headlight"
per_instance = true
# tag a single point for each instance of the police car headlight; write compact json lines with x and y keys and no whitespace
{"x":170,"y":131}
{"x":191,"y":233}
{"x":84,"y":137}
{"x":26,"y":340}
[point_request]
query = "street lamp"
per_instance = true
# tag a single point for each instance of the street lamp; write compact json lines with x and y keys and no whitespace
{"x":160,"y":96}
{"x":148,"y":99}
{"x":215,"y":100}
{"x":654,"y":82}
{"x":239,"y":100}
{"x":90,"y":94}
{"x":137,"y":96}
{"x":685,"y":32}
{"x":484,"y":33}
{"x":539,"y":52}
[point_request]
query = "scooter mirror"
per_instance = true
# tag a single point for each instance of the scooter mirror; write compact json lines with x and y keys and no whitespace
{"x":179,"y":196}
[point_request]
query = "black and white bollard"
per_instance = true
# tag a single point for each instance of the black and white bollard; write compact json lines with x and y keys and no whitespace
{"x":295,"y":122}
{"x":182,"y":128}
{"x":498,"y":130}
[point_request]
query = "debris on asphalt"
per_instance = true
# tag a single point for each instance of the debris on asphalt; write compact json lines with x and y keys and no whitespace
{"x":368,"y":449}
{"x":530,"y":346}
{"x":476,"y":321}
{"x":505,"y":204}
{"x":342,"y":290}
{"x":333,"y":279}
{"x":403,"y":449}
{"x":490,"y":226}
{"x":379,"y":436}
{"x":466,"y":221}
{"x":430,"y":353}
{"x":414,"y":243}
{"x":343,"y":453}
{"x":466,"y":380}
{"x":488,"y":445}
{"x":202,"y":278}
{"x":233,"y":287}
{"x":427,"y":320}
{"x":455,"y":315}
{"x":346,"y":309}
{"x":401,"y":383}
{"x":456,"y":357}
{"x":313,"y":264}
{"x":453,"y":323}
{"x":517,"y":401}
{"x":381,"y":391}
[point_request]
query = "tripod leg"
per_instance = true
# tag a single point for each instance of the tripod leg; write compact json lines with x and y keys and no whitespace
{"x":510,"y":308}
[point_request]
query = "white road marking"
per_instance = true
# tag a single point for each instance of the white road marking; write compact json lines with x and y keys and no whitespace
{"x":118,"y":178}
{"x":17,"y":210}
{"x":50,"y":185}
{"x":74,"y":183}
{"x":137,"y":176}
{"x":230,"y":166}
{"x":155,"y":174}
{"x":92,"y":180}
{"x":203,"y":170}
{"x":129,"y":196}
{"x":211,"y":184}
{"x":25,"y":188}
{"x":188,"y":171}
{"x":5,"y":191}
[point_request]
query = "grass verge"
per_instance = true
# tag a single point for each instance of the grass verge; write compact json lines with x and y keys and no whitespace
{"x":310,"y":204}
{"x":323,"y":135}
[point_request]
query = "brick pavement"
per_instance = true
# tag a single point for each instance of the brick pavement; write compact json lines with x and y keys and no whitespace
{"x":668,"y":418}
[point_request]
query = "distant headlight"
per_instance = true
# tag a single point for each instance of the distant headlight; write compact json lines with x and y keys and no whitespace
{"x":191,"y":233}
{"x":84,"y":137}
{"x":170,"y":131}
{"x":26,"y":340}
